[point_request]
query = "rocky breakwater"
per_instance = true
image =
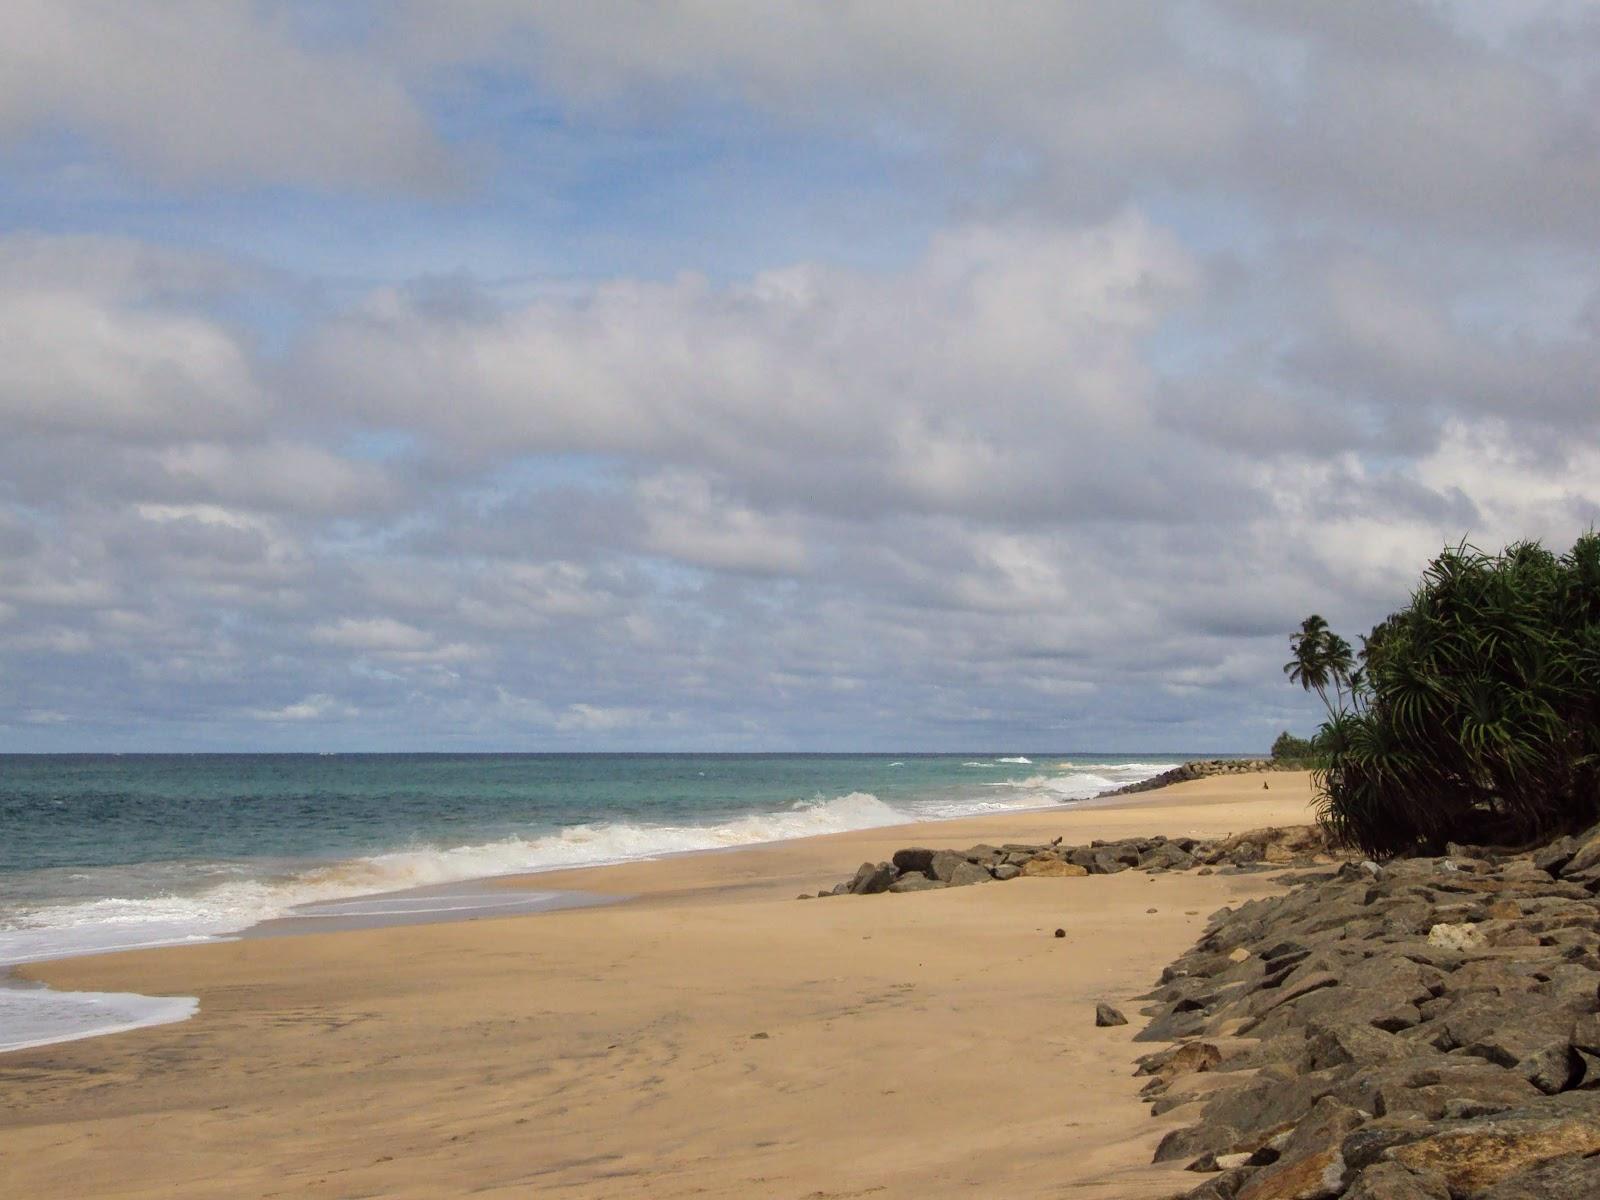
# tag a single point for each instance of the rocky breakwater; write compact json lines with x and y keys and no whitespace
{"x":1428,"y":1029}
{"x":1200,"y":768}
{"x":919,"y":869}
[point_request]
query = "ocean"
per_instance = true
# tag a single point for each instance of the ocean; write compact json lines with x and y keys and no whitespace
{"x":111,"y":852}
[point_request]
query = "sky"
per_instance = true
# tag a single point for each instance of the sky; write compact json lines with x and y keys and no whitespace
{"x":706,"y":375}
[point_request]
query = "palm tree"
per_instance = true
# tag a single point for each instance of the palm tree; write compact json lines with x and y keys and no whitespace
{"x":1321,"y":657}
{"x":1336,"y":653}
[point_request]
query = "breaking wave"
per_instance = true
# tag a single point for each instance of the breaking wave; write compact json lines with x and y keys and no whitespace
{"x":176,"y":916}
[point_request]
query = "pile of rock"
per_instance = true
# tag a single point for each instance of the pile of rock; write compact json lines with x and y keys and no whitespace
{"x":1200,"y":768}
{"x":1424,"y":1030}
{"x":919,"y":869}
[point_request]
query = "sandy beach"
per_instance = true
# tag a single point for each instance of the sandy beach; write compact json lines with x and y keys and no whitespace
{"x":706,"y":1036}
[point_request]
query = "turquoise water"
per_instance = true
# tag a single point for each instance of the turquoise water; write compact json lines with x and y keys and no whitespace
{"x":99,"y":852}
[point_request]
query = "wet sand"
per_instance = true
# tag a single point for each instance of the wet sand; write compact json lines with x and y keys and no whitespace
{"x":934,"y":1044}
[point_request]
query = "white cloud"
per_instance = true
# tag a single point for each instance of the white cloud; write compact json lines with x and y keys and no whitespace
{"x":212,"y":90}
{"x":313,"y":708}
{"x":372,"y":634}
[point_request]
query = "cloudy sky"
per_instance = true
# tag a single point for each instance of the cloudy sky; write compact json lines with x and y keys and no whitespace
{"x":699,"y":374}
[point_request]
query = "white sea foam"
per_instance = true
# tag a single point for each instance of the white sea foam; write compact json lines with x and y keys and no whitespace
{"x":1016,"y":759}
{"x":40,"y":1017}
{"x":176,"y":918}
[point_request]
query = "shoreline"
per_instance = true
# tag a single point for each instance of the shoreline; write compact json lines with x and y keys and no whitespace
{"x":335,"y":915}
{"x":581,"y":1049}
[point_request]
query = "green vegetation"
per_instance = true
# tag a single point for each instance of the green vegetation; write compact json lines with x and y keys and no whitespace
{"x":1475,"y":716}
{"x":1289,"y":750}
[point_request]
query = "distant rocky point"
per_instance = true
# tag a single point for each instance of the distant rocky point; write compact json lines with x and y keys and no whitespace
{"x":1201,"y":768}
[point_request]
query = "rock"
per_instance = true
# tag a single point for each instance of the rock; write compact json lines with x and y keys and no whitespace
{"x":1189,"y":1058}
{"x":1427,"y":1088}
{"x":1187,"y":1143}
{"x":1556,"y":855}
{"x":916,"y":883}
{"x":1105,"y":1015}
{"x":1061,"y":933}
{"x":944,"y":862}
{"x":916,"y":858}
{"x":1585,"y":857}
{"x":1526,"y":1032}
{"x":1103,"y":863}
{"x":1476,"y":1156}
{"x":1552,"y":1069}
{"x":805,"y":896}
{"x":871,"y":879}
{"x":1342,"y":1045}
{"x":1316,"y":1175}
{"x":1570,"y":1177}
{"x":1052,"y":868}
{"x":1457,"y":937}
{"x":964,"y":873}
{"x":1373,"y":1141}
{"x":1391,"y":1181}
{"x":1007,"y":871}
{"x":1270,"y":1103}
{"x":1166,"y":857}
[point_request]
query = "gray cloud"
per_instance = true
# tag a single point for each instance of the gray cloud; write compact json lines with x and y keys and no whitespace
{"x":203,"y":90}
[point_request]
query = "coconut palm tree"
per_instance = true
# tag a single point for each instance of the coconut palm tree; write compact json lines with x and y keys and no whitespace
{"x":1321,"y":658}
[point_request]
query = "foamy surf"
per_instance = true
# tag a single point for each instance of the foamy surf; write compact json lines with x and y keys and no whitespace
{"x":40,"y":1017}
{"x":176,"y":918}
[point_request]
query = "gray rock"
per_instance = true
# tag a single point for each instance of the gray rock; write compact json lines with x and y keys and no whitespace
{"x":1477,"y":1155}
{"x":1552,"y":1069}
{"x":1102,"y":863}
{"x":944,"y":863}
{"x":1195,"y":1140}
{"x":964,"y":873}
{"x":1007,"y":871}
{"x":1105,"y":1015}
{"x":872,"y":878}
{"x":1556,"y":855}
{"x":916,"y":883}
{"x":914,"y":858}
{"x":1570,"y":1177}
{"x":1391,"y":1181}
{"x":1586,"y":857}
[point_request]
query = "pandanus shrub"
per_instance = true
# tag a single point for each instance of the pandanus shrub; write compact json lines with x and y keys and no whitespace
{"x":1476,"y":713}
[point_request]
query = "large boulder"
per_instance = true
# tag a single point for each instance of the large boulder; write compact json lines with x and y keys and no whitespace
{"x":1570,"y":1177}
{"x":964,"y":873}
{"x":914,"y":858}
{"x":1477,"y":1155}
{"x":1391,"y":1181}
{"x":872,"y":878}
{"x":1585,"y":858}
{"x":916,"y":883}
